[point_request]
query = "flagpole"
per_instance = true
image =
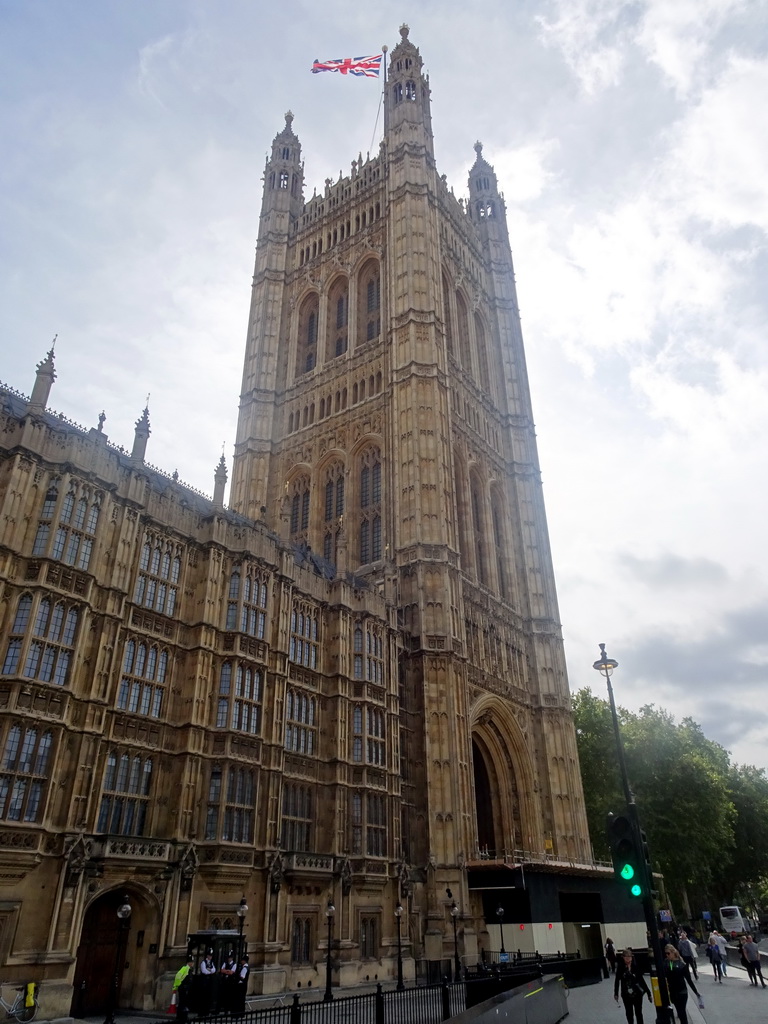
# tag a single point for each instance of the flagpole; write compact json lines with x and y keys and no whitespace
{"x":384,"y":51}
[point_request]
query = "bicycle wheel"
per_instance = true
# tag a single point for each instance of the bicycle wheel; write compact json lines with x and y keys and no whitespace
{"x":24,"y":1013}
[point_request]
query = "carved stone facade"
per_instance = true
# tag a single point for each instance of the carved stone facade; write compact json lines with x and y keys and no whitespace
{"x":348,"y":685}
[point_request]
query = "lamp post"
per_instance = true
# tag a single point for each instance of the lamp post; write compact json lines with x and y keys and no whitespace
{"x":398,"y":915}
{"x":123,"y":924}
{"x":456,"y":961}
{"x":241,"y":911}
{"x":330,"y":910}
{"x":605,"y":666}
{"x":500,"y":915}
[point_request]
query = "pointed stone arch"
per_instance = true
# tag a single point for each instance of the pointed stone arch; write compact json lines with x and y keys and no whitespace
{"x":506,"y":768}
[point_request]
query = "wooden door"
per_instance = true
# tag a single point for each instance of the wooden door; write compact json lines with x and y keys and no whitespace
{"x":97,"y":956}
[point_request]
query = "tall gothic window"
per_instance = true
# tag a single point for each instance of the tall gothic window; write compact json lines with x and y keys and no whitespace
{"x":447,"y":316}
{"x":142,"y":686}
{"x":300,"y":722}
{"x":298,"y":494}
{"x":42,"y":640}
{"x":338,"y":317}
{"x":239,"y":701}
{"x":75,"y":525}
{"x":368,"y":655}
{"x":125,"y":794}
{"x":247,"y":599}
{"x":370,"y":506}
{"x":369,"y":941}
{"x":301,"y":940}
{"x":462,"y":318}
{"x":26,"y":753}
{"x":306,"y":355}
{"x":499,"y":542}
{"x":304,"y":645}
{"x":369,"y":825}
{"x":159,"y":574}
{"x":475,"y":497}
{"x":369,"y":743}
{"x":298,"y":811}
{"x":482,"y":356}
{"x":334,"y":510}
{"x":369,"y":302}
{"x":231,"y":798}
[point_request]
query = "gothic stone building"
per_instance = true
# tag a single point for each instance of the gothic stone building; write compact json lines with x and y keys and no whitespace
{"x":348,"y":685}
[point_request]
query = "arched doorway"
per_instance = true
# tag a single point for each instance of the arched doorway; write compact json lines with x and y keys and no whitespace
{"x":486,"y":834}
{"x":105,"y":948}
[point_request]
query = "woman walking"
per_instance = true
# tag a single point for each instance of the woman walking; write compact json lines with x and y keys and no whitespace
{"x":630,"y":982}
{"x":678,"y":976}
{"x":715,"y":955}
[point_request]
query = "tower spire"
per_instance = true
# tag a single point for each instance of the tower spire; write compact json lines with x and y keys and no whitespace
{"x":141,"y":436}
{"x":220,"y":482}
{"x":45,"y":375}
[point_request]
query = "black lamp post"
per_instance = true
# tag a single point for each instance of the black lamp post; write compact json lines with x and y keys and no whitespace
{"x":456,"y":961}
{"x":605,"y":666}
{"x":241,"y":911}
{"x":500,"y":915}
{"x":123,"y":924}
{"x":398,"y":915}
{"x":330,"y":910}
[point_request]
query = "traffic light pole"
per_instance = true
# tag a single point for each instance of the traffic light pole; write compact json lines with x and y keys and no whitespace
{"x":606,"y":666}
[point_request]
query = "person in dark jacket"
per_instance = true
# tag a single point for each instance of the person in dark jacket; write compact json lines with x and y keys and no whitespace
{"x":678,"y":976}
{"x":610,"y":955}
{"x":629,"y":981}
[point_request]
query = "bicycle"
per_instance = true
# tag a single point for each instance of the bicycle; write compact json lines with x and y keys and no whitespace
{"x":19,"y":1008}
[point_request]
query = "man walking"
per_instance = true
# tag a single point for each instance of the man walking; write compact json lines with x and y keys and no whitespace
{"x":752,"y":955}
{"x":688,"y":952}
{"x":720,"y":940}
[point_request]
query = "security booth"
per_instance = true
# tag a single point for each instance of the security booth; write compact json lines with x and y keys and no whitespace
{"x":207,"y":994}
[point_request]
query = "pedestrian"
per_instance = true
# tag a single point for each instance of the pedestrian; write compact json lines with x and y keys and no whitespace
{"x":241,"y":986}
{"x":610,"y":955}
{"x":723,"y":944}
{"x":688,"y":952}
{"x":678,"y":977}
{"x":715,"y":958}
{"x":227,"y":972}
{"x":752,"y":955}
{"x":181,"y":986}
{"x":629,"y":981}
{"x":207,"y":972}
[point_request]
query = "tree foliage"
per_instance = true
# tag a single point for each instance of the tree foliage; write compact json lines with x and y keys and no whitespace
{"x":706,"y":818}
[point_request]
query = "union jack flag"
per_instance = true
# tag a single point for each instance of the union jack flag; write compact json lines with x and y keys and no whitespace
{"x":367,"y":67}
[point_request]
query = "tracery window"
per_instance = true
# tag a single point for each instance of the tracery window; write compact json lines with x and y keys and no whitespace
{"x":338,"y":316}
{"x":478,"y":530}
{"x":159,"y":575}
{"x":239,"y":700}
{"x":447,"y":316}
{"x":499,"y":542}
{"x":304,"y":646}
{"x":368,"y":821}
{"x":482,"y":356}
{"x":298,"y":493}
{"x":231,"y":797}
{"x":369,"y":302}
{"x":369,"y":746}
{"x":300,"y":722}
{"x":301,"y":940}
{"x":247,"y":599}
{"x":306,"y":356}
{"x":42,"y":638}
{"x":462,"y":318}
{"x":369,"y":931}
{"x":370,"y":506}
{"x":24,"y":772}
{"x":298,"y":810}
{"x":125,"y":794}
{"x":142,"y":686}
{"x":77,"y":520}
{"x":334,"y":510}
{"x":368,"y":656}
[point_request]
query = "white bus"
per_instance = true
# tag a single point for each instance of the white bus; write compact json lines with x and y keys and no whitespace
{"x":733,"y":922}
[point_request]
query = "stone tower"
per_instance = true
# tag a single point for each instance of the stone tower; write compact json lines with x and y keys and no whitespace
{"x":386,"y":423}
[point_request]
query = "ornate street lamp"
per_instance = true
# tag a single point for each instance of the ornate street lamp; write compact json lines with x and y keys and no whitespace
{"x":330,"y":910}
{"x":605,"y":666}
{"x":456,"y":961}
{"x":241,"y":911}
{"x":398,"y":915}
{"x":123,"y":924}
{"x":500,"y":915}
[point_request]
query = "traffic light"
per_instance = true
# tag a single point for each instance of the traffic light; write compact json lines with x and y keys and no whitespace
{"x":629,"y":856}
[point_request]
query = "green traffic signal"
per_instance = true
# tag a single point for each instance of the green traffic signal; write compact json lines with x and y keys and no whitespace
{"x":627,"y":872}
{"x":636,"y":890}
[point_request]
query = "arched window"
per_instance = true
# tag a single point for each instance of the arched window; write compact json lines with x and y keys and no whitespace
{"x":298,"y":818}
{"x":240,"y":695}
{"x":77,"y":521}
{"x":160,"y":569}
{"x":499,"y":541}
{"x":24,"y":772}
{"x":126,"y":791}
{"x":301,"y":941}
{"x":300,"y":722}
{"x":333,"y":510}
{"x":447,"y":316}
{"x":368,"y":824}
{"x":143,"y":683}
{"x":369,"y":302}
{"x":306,"y":355}
{"x":247,"y":601}
{"x":370,"y":548}
{"x":338,"y":316}
{"x":298,"y":493}
{"x":478,"y":529}
{"x":482,"y":356}
{"x":231,"y":799}
{"x":462,"y":318}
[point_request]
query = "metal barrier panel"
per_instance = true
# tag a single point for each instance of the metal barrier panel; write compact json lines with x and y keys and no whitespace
{"x":540,"y":1002}
{"x":348,"y":1010}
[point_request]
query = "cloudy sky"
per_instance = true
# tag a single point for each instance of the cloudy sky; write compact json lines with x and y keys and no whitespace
{"x":629,"y":138}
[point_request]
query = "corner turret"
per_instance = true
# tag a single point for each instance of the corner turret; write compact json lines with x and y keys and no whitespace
{"x":284,"y":175}
{"x":220,"y":482}
{"x":141,"y":436}
{"x":44,"y":378}
{"x":407,"y":116}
